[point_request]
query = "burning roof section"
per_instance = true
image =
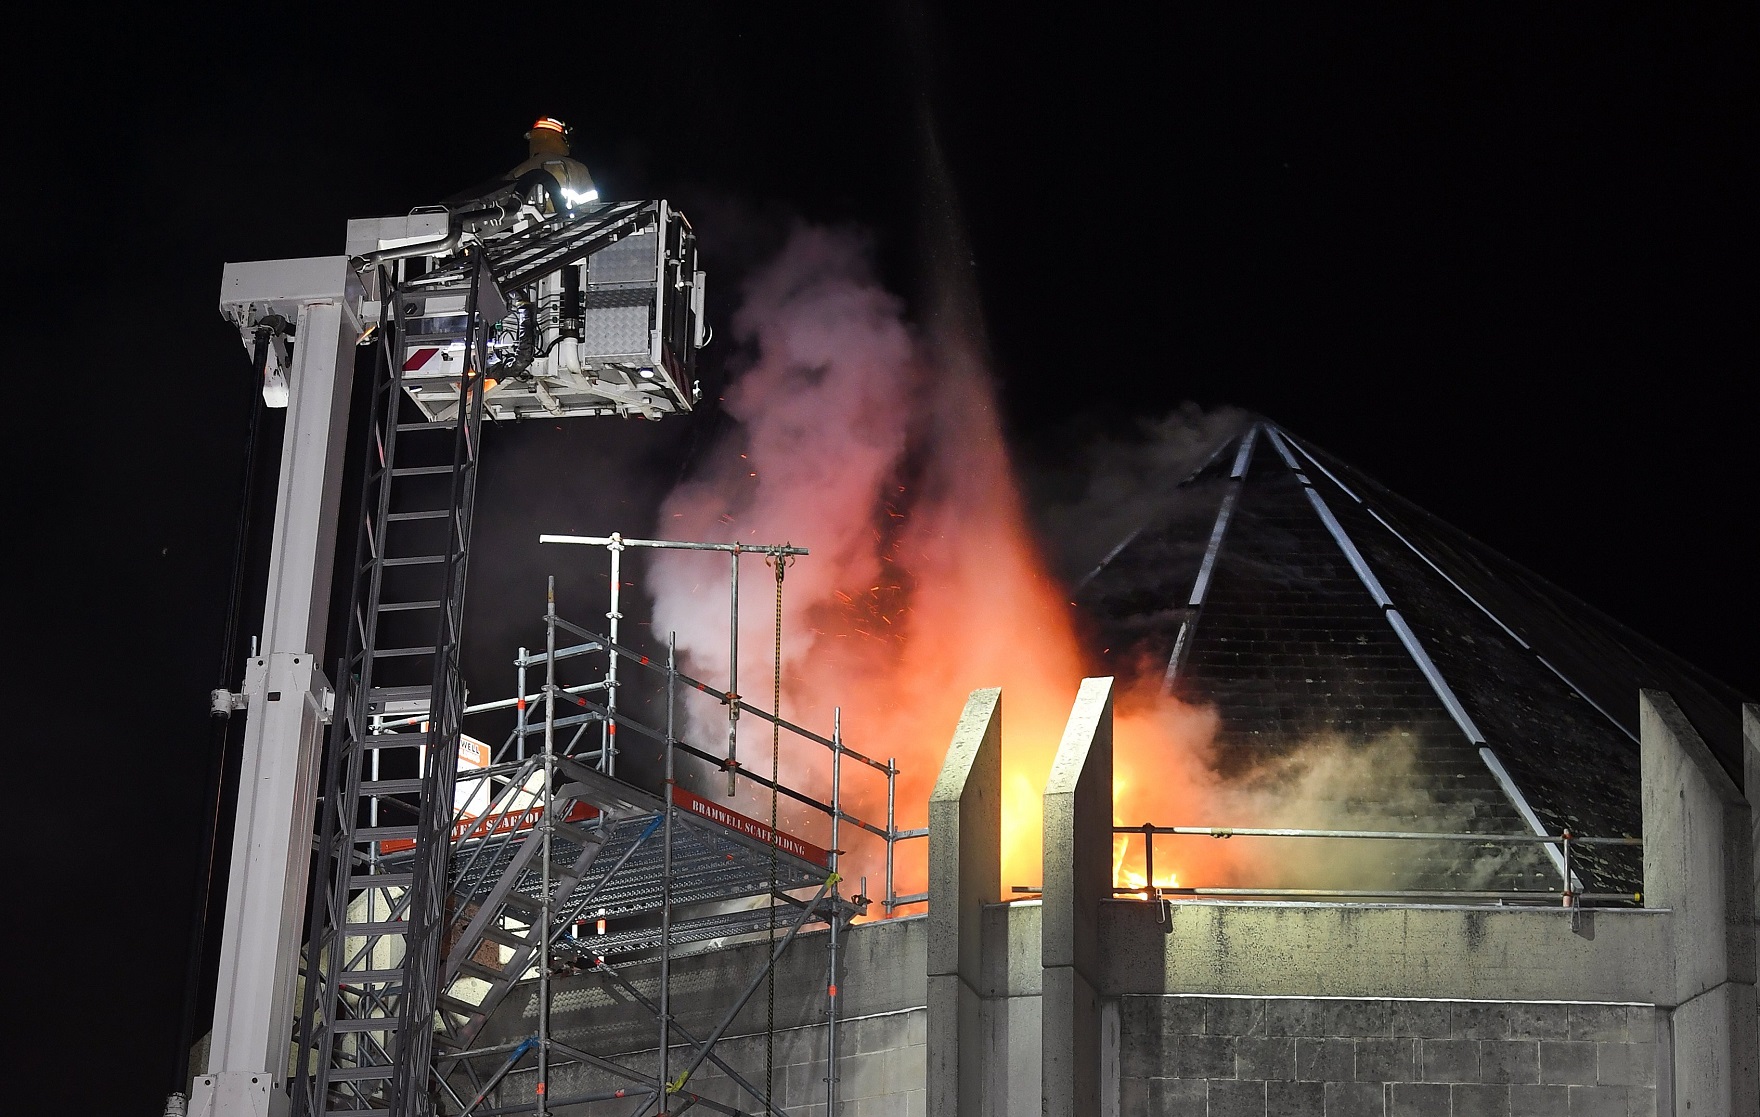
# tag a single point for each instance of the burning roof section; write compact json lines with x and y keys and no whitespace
{"x":1303,"y":601}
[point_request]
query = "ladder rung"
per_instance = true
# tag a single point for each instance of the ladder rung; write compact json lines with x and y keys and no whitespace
{"x":390,"y":787}
{"x":380,"y":880}
{"x":505,"y":937}
{"x":433,"y":514}
{"x":436,"y":424}
{"x":394,"y":740}
{"x":362,"y":930}
{"x":358,"y":1074}
{"x":371,"y":977}
{"x":578,"y":834}
{"x":390,"y":653}
{"x":384,"y":833}
{"x":327,"y":1112}
{"x":370,"y":1024}
{"x":406,"y":606}
{"x":413,"y":560}
{"x":477,"y":969}
{"x":424,"y":691}
{"x":420,"y":470}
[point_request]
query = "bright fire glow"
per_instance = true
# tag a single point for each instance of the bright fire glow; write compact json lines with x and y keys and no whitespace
{"x":882,"y":451}
{"x":1129,"y":879}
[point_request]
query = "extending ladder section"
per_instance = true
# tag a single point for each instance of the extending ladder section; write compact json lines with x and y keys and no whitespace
{"x":373,"y":951}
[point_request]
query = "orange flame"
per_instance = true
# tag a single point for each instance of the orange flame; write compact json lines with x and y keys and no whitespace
{"x":886,"y":457}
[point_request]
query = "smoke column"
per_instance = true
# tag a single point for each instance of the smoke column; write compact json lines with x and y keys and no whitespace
{"x":877,"y":445}
{"x":881,"y":451}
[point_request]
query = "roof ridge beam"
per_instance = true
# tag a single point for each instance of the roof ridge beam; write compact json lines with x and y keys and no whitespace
{"x":1477,"y":604}
{"x":1237,"y":473}
{"x":1413,"y":647}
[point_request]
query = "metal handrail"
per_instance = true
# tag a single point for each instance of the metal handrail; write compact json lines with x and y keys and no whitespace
{"x":1412,"y":835}
{"x":1568,"y":896}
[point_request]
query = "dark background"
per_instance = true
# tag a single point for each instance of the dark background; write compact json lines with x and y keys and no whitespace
{"x":1501,"y":260}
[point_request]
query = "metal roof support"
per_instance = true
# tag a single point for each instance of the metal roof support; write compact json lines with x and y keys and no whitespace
{"x":1243,"y":457}
{"x":1412,"y":646}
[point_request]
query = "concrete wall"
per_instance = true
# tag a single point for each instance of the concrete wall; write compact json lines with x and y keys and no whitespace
{"x":1218,"y":1007}
{"x":1083,"y":1005}
{"x":965,"y":874}
{"x":1698,"y":862}
{"x":882,"y":1037}
{"x":1383,"y":950}
{"x":880,"y":1068}
{"x":1199,"y":1056}
{"x":1078,"y":876}
{"x":1012,"y":989}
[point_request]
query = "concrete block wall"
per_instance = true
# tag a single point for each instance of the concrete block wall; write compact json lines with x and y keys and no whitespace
{"x":1012,"y":1015}
{"x":880,"y":1069}
{"x":1198,"y":1056}
{"x":882,"y":1033}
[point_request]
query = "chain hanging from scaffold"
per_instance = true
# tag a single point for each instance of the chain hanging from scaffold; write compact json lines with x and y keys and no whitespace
{"x":780,"y":562}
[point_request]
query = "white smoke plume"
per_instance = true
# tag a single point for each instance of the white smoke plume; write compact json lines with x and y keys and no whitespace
{"x":879,"y":449}
{"x":877,"y":445}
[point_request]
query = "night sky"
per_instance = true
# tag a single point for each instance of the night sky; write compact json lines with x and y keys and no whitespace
{"x":1503,"y":262}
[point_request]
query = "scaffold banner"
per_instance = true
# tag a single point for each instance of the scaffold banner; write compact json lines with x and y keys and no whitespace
{"x":500,"y":823}
{"x":750,"y":827}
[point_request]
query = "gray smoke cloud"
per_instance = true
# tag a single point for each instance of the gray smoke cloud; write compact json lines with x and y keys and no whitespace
{"x":1326,"y":781}
{"x":1119,"y":482}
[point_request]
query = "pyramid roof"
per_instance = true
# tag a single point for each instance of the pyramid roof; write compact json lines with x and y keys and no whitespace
{"x":1300,"y":597}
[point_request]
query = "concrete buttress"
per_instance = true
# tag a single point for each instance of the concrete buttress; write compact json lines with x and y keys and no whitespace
{"x":965,"y":873}
{"x":1078,"y":875}
{"x":1698,"y":862}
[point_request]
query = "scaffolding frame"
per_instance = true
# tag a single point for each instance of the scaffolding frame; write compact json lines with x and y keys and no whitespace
{"x":593,"y":817}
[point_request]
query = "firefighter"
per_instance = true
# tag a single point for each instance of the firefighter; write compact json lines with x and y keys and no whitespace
{"x":550,"y":178}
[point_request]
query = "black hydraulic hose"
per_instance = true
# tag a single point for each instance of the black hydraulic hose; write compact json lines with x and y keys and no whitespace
{"x":235,"y":595}
{"x":220,"y":732}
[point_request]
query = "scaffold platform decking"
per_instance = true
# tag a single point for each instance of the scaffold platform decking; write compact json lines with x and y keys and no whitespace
{"x":607,"y":864}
